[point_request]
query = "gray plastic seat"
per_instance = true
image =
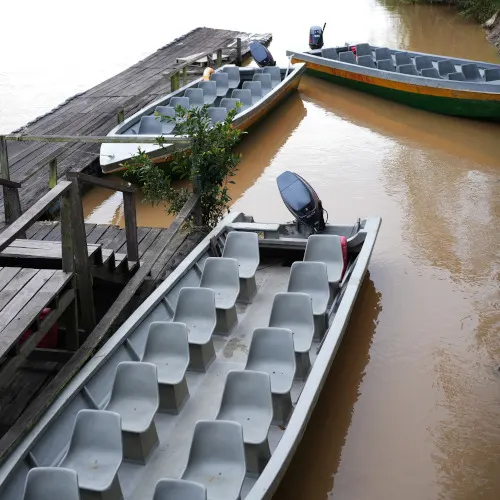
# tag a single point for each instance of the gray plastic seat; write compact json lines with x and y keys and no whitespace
{"x":492,"y":74}
{"x":402,"y":58}
{"x":446,"y":67}
{"x":330,"y":53}
{"x":217,"y":459}
{"x":196,"y":98}
{"x":271,"y":351}
{"x":312,"y":278}
{"x":247,"y":400}
{"x":407,"y":69}
{"x":347,"y":57}
{"x":326,"y":248}
{"x":364,"y":49}
{"x":255,"y":88}
{"x":457,"y":76}
{"x":51,"y":483}
{"x":135,"y":398}
{"x":366,"y":61}
{"x":430,"y":73}
{"x":150,"y":125}
{"x":229,"y":103}
{"x":275,"y":73}
{"x":221,"y":275}
{"x":233,"y":72}
{"x":209,"y":91}
{"x":386,"y":65}
{"x":166,"y":126}
{"x":295,"y":312}
{"x":217,"y":115}
{"x":222,"y":82}
{"x":196,"y":309}
{"x":423,"y":62}
{"x":244,"y":247}
{"x":265,"y":82}
{"x":95,"y":453}
{"x":183,"y":102}
{"x":471,"y":72}
{"x":244,"y":96}
{"x":167,"y":347}
{"x":382,"y":53}
{"x":179,"y":489}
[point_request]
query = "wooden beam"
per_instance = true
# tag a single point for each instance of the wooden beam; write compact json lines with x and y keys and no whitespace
{"x":32,"y":214}
{"x":131,"y":226}
{"x":114,"y":184}
{"x":11,"y":202}
{"x":96,"y":139}
{"x":11,"y":184}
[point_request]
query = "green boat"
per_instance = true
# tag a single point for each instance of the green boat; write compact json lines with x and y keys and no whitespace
{"x":450,"y":86}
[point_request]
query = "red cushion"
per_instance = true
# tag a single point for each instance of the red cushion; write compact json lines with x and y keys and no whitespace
{"x":49,"y":341}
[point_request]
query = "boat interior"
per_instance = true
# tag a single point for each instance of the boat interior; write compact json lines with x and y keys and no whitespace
{"x":190,"y":399}
{"x":226,"y":88}
{"x":386,"y":59}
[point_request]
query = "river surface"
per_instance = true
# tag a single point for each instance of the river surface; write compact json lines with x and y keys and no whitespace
{"x":411,"y":409}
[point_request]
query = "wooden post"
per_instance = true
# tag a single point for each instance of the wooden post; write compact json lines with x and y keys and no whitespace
{"x":53,"y":173}
{"x":238,"y":52}
{"x":120,"y":116}
{"x":75,"y":254}
{"x":131,"y":227}
{"x":12,"y":204}
{"x":184,"y":76}
{"x":197,"y":215}
{"x":173,"y":82}
{"x":219,"y":58}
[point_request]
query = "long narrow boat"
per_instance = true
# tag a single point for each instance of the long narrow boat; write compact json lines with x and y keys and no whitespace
{"x":258,"y":90}
{"x":450,"y":86}
{"x":168,"y":403}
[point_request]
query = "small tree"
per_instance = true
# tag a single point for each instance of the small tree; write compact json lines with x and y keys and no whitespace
{"x":208,"y":164}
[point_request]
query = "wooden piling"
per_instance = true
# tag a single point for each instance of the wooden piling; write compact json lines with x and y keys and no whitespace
{"x":10,"y":193}
{"x":238,"y":52}
{"x":52,"y":173}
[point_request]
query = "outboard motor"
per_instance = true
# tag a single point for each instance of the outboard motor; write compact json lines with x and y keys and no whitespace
{"x":302,"y":201}
{"x":261,"y":55}
{"x":316,"y":37}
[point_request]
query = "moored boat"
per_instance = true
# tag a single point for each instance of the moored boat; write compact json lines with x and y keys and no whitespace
{"x":209,"y":385}
{"x":258,"y":90}
{"x":446,"y":85}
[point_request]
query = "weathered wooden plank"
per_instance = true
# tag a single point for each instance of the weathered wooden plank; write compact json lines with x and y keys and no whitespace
{"x":113,"y":184}
{"x":97,"y":232}
{"x":108,"y":236}
{"x":44,"y":244}
{"x":131,"y":226}
{"x":16,"y":283}
{"x":47,"y":250}
{"x":12,"y":204}
{"x":6,"y":274}
{"x":54,"y":234}
{"x":142,"y":232}
{"x":40,"y":229}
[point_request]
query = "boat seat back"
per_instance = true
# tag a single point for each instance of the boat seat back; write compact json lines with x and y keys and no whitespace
{"x":150,"y":125}
{"x":183,"y":102}
{"x":330,"y":53}
{"x":364,"y":49}
{"x":386,"y":65}
{"x":407,"y":69}
{"x":244,"y":96}
{"x":294,"y":310}
{"x":51,"y":483}
{"x":402,"y":58}
{"x":382,"y":53}
{"x":209,"y":91}
{"x":222,"y":82}
{"x":471,"y":72}
{"x":244,"y":247}
{"x":347,"y":57}
{"x":179,"y":489}
{"x":217,"y":458}
{"x":229,"y":103}
{"x":326,"y":248}
{"x":247,"y":399}
{"x":217,"y":115}
{"x":233,"y":73}
{"x":423,"y":62}
{"x":457,"y":76}
{"x":445,"y":67}
{"x":95,"y":450}
{"x":492,"y":74}
{"x":195,"y":96}
{"x":255,"y":88}
{"x":275,"y":73}
{"x":430,"y":73}
{"x":221,"y":275}
{"x":166,"y":126}
{"x":366,"y":61}
{"x":265,"y":81}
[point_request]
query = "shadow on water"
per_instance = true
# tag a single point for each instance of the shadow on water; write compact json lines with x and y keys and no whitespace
{"x":312,"y":478}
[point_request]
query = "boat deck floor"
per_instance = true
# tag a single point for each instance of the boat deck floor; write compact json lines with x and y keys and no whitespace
{"x":175,"y":432}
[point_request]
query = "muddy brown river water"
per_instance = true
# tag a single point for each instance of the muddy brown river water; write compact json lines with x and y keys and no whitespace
{"x":411,"y":409}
